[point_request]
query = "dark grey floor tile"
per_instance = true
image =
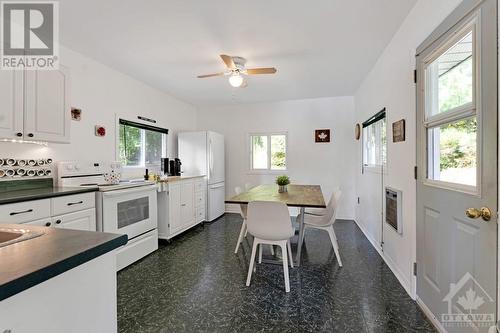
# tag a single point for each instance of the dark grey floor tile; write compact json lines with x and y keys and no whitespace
{"x":197,"y":284}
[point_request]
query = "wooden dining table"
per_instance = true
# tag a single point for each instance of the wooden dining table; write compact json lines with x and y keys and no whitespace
{"x":300,"y":196}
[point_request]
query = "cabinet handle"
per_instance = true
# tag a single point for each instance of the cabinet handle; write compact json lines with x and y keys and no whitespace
{"x":23,"y":212}
{"x":58,"y":222}
{"x":183,"y":205}
{"x":48,"y":224}
{"x":19,"y":134}
{"x":30,"y":135}
{"x":74,"y":203}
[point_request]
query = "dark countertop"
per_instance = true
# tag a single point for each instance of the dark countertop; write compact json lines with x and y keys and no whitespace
{"x":40,"y":193}
{"x":33,"y":261}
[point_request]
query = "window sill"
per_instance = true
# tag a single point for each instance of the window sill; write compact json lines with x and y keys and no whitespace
{"x":375,"y":169}
{"x":266,"y":172}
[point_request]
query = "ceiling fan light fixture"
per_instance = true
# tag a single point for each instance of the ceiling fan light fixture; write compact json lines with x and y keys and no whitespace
{"x":236,"y":80}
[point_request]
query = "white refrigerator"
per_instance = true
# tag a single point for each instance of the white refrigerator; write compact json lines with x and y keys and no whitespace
{"x":202,"y":153}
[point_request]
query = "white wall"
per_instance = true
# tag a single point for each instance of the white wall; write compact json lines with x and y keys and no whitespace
{"x":102,"y":92}
{"x":390,"y":84}
{"x":326,"y":164}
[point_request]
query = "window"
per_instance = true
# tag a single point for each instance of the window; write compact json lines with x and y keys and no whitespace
{"x":451,"y":112}
{"x":141,"y":145}
{"x":374,"y":141}
{"x":268,"y":151}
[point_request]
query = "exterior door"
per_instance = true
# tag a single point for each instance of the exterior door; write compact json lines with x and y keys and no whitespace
{"x":47,"y":108}
{"x":457,"y":169}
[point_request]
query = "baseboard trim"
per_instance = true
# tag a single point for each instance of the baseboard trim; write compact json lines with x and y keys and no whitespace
{"x":392,"y":266}
{"x":428,"y":313}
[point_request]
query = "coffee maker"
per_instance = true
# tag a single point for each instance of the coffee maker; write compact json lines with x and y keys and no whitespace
{"x":171,"y":167}
{"x":165,"y":167}
{"x":177,"y":167}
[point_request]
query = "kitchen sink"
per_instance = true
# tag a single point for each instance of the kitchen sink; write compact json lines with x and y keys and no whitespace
{"x":10,"y":236}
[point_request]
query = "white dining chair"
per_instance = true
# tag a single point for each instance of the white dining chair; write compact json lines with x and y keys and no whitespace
{"x":325,"y":221}
{"x":269,"y":222}
{"x":244,"y":230}
{"x":243,"y":213}
{"x":322,"y":211}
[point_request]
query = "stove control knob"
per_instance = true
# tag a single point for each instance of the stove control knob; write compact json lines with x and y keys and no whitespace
{"x":77,"y":167}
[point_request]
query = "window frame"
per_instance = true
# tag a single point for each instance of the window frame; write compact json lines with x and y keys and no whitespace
{"x":268,"y":170}
{"x":376,"y":168}
{"x":143,"y":165}
{"x":462,"y":112}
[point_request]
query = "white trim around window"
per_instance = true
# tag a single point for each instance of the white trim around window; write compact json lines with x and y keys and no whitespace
{"x":267,"y":170}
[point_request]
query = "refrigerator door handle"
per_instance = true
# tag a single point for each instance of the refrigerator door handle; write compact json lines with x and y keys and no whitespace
{"x":217,"y":186}
{"x":210,"y":159}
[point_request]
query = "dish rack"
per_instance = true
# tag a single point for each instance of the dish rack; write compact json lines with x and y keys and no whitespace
{"x":12,"y":168}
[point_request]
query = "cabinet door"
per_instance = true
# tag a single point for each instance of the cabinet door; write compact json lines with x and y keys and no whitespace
{"x":42,"y":222}
{"x":174,"y":207}
{"x":82,"y":220}
{"x":187,"y":203}
{"x":47,"y":111}
{"x":11,"y":99}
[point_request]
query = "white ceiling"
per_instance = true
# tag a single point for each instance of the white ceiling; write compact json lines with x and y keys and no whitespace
{"x":320,"y":47}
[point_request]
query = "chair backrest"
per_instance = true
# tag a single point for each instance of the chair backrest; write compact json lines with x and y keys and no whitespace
{"x":238,"y":190}
{"x":332,"y":207}
{"x":269,"y":220}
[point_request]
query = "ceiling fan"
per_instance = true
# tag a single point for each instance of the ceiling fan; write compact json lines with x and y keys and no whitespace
{"x":236,"y":71}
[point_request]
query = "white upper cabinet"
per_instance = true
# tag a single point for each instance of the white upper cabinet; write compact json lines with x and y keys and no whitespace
{"x":47,"y":110}
{"x":11,"y":99}
{"x":35,"y":105}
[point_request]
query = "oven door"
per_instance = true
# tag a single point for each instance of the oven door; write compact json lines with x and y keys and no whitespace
{"x":130,"y":211}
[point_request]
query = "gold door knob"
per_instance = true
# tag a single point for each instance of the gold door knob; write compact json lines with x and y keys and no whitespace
{"x":474,"y":213}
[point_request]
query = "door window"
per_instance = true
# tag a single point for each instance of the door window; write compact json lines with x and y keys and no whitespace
{"x":451,"y":112}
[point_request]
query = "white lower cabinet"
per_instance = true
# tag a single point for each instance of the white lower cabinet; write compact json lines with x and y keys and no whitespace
{"x":42,"y":222}
{"x":82,"y":220}
{"x":181,"y":205}
{"x":76,"y":211}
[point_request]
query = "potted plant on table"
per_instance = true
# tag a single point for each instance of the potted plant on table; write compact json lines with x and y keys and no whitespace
{"x":282,"y":182}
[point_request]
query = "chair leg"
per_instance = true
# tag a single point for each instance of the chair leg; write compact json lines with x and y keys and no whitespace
{"x":333,"y":238}
{"x":260,"y":254}
{"x":240,"y":237}
{"x":252,"y":260}
{"x":289,"y":252}
{"x":303,"y":235}
{"x":285,"y":267}
{"x":246,"y":231}
{"x":272,"y":250}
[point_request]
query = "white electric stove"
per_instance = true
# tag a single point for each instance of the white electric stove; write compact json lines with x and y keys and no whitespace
{"x":129,"y":207}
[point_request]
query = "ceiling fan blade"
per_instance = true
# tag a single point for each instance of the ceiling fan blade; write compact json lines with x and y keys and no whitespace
{"x":210,"y":75}
{"x":228,"y":60}
{"x":269,"y":70}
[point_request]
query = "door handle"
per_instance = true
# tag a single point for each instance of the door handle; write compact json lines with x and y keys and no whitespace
{"x":23,"y":212}
{"x":475,"y":213}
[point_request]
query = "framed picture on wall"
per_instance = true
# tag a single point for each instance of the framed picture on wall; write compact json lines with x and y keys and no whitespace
{"x":398,"y":131}
{"x":322,"y":135}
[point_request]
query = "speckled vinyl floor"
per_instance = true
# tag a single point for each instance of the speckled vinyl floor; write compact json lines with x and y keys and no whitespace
{"x":197,"y":284}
